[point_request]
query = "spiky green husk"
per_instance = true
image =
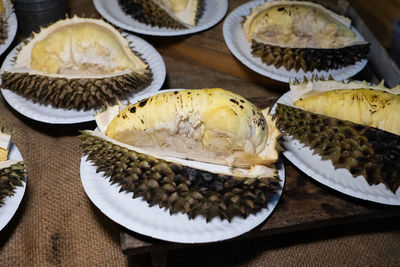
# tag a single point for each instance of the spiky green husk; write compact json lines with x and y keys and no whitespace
{"x":75,"y":93}
{"x":309,"y":59}
{"x":176,"y":187}
{"x":150,"y":13}
{"x":3,"y":30}
{"x":10,"y":178}
{"x":363,"y":150}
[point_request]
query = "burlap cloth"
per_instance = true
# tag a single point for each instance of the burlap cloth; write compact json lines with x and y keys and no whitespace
{"x":57,"y":224}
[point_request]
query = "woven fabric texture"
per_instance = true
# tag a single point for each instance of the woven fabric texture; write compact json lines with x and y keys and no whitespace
{"x":56,"y":224}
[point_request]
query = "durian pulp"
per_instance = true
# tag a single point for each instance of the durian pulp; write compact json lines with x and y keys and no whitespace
{"x":374,"y":108}
{"x":185,"y":10}
{"x":300,"y":26}
{"x":209,"y":125}
{"x":81,"y":49}
{"x":5,"y":140}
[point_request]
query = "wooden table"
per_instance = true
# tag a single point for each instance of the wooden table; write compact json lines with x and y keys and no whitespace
{"x":203,"y":60}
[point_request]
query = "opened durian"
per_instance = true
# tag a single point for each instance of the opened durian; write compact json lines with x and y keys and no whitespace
{"x":152,"y":149}
{"x":77,"y":63}
{"x":302,"y":35}
{"x":3,"y":22}
{"x":174,"y":14}
{"x":12,"y":172}
{"x":355,"y":125}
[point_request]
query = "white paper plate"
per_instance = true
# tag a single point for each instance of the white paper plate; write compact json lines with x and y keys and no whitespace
{"x":12,"y":25}
{"x":324,"y":172}
{"x":214,"y":11}
{"x":241,"y":49}
{"x":136,"y":215}
{"x":11,"y":204}
{"x":49,"y":114}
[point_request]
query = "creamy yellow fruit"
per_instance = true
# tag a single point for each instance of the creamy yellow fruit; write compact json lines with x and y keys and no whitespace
{"x":374,"y":108}
{"x":298,"y":25}
{"x":184,"y":10}
{"x":175,"y":5}
{"x":5,"y":138}
{"x":81,"y":48}
{"x":3,"y":154}
{"x":211,"y":125}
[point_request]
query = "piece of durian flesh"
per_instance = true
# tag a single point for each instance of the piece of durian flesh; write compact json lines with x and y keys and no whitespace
{"x":375,"y":106}
{"x":5,"y":139}
{"x":209,"y":125}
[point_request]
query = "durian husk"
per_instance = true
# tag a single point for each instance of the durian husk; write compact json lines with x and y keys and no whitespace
{"x":151,"y":13}
{"x":81,"y":92}
{"x":362,"y":150}
{"x":180,"y":188}
{"x":12,"y":173}
{"x":75,"y":93}
{"x":309,"y":59}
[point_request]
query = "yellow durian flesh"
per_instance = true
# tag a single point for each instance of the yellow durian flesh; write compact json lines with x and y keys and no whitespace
{"x":209,"y":125}
{"x":176,"y":5}
{"x":375,"y":108}
{"x":184,"y":10}
{"x":298,"y":24}
{"x":79,"y":47}
{"x":3,"y":154}
{"x":5,"y":139}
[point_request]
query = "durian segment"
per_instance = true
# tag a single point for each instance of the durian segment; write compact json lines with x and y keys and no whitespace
{"x":5,"y":139}
{"x":12,"y":173}
{"x":299,"y":24}
{"x":79,"y":64}
{"x":375,"y":106}
{"x":179,"y":188}
{"x":363,"y":150}
{"x":208,"y":125}
{"x":79,"y":47}
{"x":302,"y":35}
{"x":175,"y":14}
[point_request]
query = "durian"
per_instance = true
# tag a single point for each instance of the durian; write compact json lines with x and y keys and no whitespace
{"x":301,"y":35}
{"x":353,"y":124}
{"x":77,"y":63}
{"x":174,"y":14}
{"x":12,"y":172}
{"x":140,"y":150}
{"x":363,"y":150}
{"x":3,"y":22}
